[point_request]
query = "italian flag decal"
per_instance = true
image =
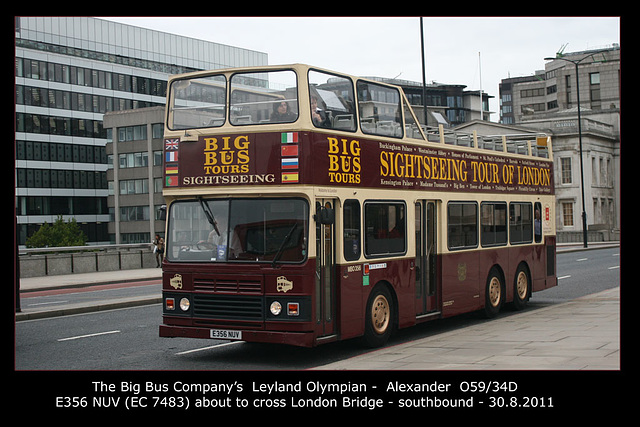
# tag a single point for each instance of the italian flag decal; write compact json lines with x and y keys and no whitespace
{"x":289,"y":138}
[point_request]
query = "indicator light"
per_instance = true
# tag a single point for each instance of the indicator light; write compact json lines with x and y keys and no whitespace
{"x":170,"y":303}
{"x":293,"y":309}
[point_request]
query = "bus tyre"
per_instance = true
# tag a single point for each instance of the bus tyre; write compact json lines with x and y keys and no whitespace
{"x":378,"y":317}
{"x":494,"y":294}
{"x":521,"y":288}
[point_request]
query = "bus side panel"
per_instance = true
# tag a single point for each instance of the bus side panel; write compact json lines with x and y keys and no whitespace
{"x":538,"y":267}
{"x":461,"y":283}
{"x":547,"y":275}
{"x":350,"y":301}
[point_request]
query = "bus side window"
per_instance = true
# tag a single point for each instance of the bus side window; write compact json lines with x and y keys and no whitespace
{"x":385,"y":228}
{"x":462,"y":228}
{"x":351,"y":213}
{"x":332,"y":103}
{"x":380,"y":111}
{"x":537,"y":222}
{"x":520,"y":223}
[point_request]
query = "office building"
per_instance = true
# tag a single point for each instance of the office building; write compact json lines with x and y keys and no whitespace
{"x":548,"y":102}
{"x":69,"y":72}
{"x":134,"y":152}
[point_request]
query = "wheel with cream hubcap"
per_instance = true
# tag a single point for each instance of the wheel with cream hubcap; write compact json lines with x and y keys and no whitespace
{"x":379,"y":317}
{"x":521,"y":288}
{"x":493,"y":294}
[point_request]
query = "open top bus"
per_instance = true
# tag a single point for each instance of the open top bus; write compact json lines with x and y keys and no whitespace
{"x":306,"y":206}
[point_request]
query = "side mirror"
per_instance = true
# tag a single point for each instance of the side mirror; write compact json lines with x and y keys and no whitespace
{"x":324,"y":215}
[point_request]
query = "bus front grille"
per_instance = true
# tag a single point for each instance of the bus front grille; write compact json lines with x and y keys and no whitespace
{"x":228,"y":285}
{"x":237,"y":307}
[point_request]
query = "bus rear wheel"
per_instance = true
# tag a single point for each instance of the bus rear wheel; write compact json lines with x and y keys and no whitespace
{"x":521,"y":288}
{"x":494,"y":294}
{"x":379,"y":317}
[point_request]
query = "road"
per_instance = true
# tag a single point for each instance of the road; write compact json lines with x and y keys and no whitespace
{"x":127,"y":339}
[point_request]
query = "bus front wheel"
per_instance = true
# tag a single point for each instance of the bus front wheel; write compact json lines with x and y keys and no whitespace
{"x":379,"y":317}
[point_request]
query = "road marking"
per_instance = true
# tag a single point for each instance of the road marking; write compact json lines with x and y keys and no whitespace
{"x":614,"y":267}
{"x":47,"y":303}
{"x":88,"y":336}
{"x":563,"y":277}
{"x":207,"y":348}
{"x":582,"y":259}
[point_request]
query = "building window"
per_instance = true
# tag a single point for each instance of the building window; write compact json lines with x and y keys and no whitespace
{"x":567,"y":214}
{"x":134,"y":186}
{"x":528,"y":93}
{"x":132,"y":133}
{"x":133,"y":160}
{"x":134,"y":213}
{"x":594,"y":90}
{"x":565,"y":165}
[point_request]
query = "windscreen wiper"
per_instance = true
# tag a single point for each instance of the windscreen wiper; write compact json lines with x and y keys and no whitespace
{"x":284,"y":242}
{"x":209,"y":214}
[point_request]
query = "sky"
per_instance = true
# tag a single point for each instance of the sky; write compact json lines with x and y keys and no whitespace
{"x":474,"y":51}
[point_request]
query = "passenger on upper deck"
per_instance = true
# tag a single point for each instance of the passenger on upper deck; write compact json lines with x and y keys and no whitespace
{"x":281,"y":113}
{"x":318,"y":116}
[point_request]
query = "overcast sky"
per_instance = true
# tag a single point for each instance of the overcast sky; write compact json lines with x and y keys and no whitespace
{"x":458,"y":50}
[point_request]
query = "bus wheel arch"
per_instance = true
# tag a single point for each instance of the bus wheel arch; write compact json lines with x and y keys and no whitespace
{"x":380,"y":315}
{"x":521,"y":286}
{"x":495,"y":292}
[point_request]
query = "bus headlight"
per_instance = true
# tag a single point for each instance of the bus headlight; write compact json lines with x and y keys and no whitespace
{"x":185,"y":304}
{"x":275,"y":308}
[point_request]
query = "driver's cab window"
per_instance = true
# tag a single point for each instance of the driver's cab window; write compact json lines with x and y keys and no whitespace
{"x":332,"y":101}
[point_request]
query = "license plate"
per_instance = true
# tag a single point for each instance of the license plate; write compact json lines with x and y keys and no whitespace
{"x":224,"y":334}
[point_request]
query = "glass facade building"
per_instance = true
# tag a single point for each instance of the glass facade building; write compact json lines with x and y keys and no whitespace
{"x":69,"y":72}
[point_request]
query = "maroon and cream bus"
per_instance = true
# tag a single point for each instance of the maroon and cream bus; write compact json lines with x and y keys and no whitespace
{"x":306,"y":206}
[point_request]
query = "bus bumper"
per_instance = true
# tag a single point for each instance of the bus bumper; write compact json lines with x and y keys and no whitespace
{"x":301,"y":339}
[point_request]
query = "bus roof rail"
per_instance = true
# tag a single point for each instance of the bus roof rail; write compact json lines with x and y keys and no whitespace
{"x":528,"y":144}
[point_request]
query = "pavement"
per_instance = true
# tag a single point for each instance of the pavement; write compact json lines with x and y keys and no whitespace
{"x":581,"y":334}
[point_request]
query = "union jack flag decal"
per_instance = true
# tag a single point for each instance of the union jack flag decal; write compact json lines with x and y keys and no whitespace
{"x":171,"y":144}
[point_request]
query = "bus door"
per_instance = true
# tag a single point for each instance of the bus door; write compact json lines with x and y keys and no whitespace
{"x":426,"y":265}
{"x":325,"y":294}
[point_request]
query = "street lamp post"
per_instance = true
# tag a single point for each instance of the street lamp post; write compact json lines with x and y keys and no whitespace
{"x":576,"y":63}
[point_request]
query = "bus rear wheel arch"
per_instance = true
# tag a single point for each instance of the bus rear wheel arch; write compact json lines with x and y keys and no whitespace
{"x":380,"y":316}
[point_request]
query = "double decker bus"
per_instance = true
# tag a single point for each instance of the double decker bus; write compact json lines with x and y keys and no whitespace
{"x":306,"y":206}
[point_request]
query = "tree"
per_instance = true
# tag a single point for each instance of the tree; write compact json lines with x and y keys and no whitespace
{"x":61,"y":233}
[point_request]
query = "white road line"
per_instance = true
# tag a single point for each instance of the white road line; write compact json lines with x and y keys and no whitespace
{"x":614,"y":267}
{"x":582,"y":259}
{"x":563,"y":277}
{"x":207,"y":348}
{"x":88,"y":336}
{"x":47,"y":303}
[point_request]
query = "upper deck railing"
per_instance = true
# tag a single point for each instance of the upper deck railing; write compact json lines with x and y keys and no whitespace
{"x":536,"y":145}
